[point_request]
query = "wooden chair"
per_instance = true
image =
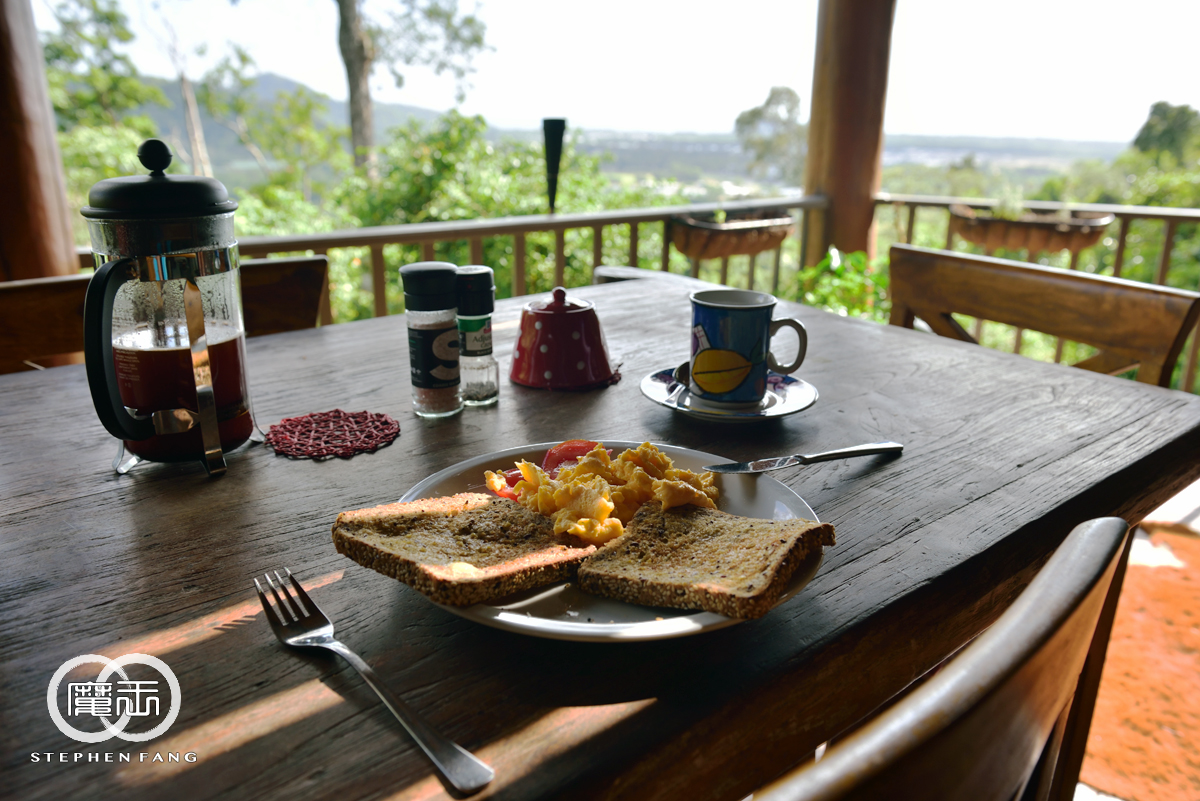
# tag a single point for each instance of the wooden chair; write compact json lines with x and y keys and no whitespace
{"x":1005,"y":719}
{"x":41,"y":319}
{"x":282,"y":294}
{"x":1131,"y":324}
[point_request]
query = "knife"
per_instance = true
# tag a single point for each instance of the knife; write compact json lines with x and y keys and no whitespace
{"x":760,"y":465}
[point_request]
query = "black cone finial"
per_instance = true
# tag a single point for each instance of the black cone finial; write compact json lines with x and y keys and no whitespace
{"x":552,"y":131}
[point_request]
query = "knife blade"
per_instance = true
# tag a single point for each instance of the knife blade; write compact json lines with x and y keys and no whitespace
{"x":774,"y":463}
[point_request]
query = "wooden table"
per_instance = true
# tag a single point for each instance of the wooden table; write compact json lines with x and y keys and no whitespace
{"x":1003,"y":456}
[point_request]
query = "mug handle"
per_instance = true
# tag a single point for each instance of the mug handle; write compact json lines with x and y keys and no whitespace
{"x":98,"y":351}
{"x":801,"y":333}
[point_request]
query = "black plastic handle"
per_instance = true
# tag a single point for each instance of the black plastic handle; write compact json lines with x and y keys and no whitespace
{"x":98,"y":352}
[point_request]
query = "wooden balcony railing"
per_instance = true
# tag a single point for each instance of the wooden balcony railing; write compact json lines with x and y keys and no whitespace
{"x":427,"y":235}
{"x":1170,"y":219}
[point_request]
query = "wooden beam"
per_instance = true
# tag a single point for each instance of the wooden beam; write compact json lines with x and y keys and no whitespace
{"x":35,"y":223}
{"x":845,"y":131}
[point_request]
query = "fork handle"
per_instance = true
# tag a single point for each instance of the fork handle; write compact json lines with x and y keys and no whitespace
{"x":846,"y":453}
{"x":460,"y":767}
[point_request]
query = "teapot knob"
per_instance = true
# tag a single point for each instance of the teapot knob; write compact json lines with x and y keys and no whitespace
{"x":560,"y":295}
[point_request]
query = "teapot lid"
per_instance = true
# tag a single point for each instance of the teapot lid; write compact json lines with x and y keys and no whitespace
{"x":559,"y":303}
{"x":157,"y":195}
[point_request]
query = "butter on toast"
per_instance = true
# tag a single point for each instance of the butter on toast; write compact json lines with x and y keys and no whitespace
{"x":694,"y":558}
{"x":461,"y":550}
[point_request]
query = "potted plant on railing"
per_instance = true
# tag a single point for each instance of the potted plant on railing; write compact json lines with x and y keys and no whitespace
{"x":1021,"y":229}
{"x":719,"y":234}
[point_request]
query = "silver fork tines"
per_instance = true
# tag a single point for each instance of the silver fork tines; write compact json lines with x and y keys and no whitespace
{"x":307,"y":626}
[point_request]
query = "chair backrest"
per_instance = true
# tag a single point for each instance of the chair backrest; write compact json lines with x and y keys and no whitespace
{"x":1130,"y":323}
{"x":42,"y":318}
{"x":989,"y":725}
{"x":282,"y":294}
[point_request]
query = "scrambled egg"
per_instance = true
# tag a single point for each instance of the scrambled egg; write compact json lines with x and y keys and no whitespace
{"x":594,"y":498}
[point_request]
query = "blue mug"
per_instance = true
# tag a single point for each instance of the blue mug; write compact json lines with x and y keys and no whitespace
{"x":731,"y":346}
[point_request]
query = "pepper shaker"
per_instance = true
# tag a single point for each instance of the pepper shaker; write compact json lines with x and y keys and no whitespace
{"x":433,"y":357}
{"x":479,"y":370}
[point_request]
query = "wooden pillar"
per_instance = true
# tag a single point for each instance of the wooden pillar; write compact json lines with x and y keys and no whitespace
{"x":845,"y":130}
{"x":35,"y":228}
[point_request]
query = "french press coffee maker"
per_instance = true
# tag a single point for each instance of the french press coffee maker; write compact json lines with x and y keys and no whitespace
{"x":164,"y":339}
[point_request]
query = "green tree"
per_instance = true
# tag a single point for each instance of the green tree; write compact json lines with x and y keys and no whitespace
{"x":291,"y":139}
{"x":425,"y":32}
{"x":775,"y":138}
{"x":91,"y":82}
{"x":1170,"y":129}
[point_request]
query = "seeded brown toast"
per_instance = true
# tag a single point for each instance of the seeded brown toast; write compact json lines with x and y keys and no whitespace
{"x":462,"y":550}
{"x":693,"y":558}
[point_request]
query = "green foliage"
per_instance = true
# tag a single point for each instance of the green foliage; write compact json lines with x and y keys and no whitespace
{"x":847,"y":284}
{"x":1173,"y":130}
{"x":450,"y":171}
{"x":773,"y":134}
{"x":430,"y":33}
{"x":296,"y":147}
{"x":91,"y":82}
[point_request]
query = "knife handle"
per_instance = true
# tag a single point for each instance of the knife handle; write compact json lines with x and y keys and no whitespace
{"x":845,"y":453}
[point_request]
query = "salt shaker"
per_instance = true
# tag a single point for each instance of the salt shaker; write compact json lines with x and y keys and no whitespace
{"x":429,"y":300}
{"x":479,"y":370}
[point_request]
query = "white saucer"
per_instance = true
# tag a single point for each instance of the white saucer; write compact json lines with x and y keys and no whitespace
{"x":785,"y":395}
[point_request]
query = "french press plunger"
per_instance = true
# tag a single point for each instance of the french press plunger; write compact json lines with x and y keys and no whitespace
{"x":163,"y":331}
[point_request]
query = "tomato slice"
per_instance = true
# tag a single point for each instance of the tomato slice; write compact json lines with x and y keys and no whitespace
{"x":569,"y":451}
{"x":512,"y":476}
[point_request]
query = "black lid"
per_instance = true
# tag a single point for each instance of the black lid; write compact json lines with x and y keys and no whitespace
{"x":476,"y":290}
{"x":429,"y":285}
{"x":157,"y":195}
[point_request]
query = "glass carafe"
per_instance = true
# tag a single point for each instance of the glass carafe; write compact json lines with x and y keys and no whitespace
{"x":163,"y":330}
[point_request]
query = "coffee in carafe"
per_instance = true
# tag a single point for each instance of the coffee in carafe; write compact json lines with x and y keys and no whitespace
{"x":163,"y":329}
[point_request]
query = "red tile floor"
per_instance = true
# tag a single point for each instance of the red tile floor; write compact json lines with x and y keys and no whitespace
{"x":1145,"y":738}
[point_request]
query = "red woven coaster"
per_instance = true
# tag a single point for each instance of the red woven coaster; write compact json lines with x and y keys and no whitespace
{"x":324,"y":435}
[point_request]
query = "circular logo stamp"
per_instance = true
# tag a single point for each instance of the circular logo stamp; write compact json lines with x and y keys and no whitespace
{"x":126,"y":700}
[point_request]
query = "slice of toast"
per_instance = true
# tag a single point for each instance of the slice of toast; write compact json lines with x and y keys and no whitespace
{"x":693,"y":558}
{"x":462,"y":550}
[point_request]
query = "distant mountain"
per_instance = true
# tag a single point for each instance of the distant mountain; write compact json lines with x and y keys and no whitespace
{"x":232,"y":163}
{"x":681,"y":156}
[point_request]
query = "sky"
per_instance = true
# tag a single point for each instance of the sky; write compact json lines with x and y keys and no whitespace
{"x":1047,"y":69}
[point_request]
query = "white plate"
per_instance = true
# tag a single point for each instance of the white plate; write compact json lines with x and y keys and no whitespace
{"x":785,"y":395}
{"x":562,"y":611}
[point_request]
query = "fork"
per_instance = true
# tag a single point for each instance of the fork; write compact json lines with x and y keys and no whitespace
{"x":308,"y":627}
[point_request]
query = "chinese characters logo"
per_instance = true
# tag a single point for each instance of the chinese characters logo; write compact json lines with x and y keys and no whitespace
{"x":125,"y":698}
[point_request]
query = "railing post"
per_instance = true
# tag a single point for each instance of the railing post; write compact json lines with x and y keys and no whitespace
{"x":775,"y":274}
{"x":597,"y":246}
{"x":560,"y":257}
{"x":633,"y":244}
{"x":724,"y":269}
{"x":379,"y":280}
{"x":666,"y":247}
{"x":912,"y":224}
{"x":476,"y":250}
{"x":427,"y":251}
{"x":753,"y":264}
{"x":325,"y":311}
{"x":518,"y":287}
{"x":1119,"y":260}
{"x":1164,"y":259}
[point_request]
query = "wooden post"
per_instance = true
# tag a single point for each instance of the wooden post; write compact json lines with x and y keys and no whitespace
{"x":35,"y":224}
{"x":379,"y":280}
{"x":845,"y":131}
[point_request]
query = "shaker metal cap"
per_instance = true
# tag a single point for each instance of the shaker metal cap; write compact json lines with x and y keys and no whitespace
{"x":157,"y":195}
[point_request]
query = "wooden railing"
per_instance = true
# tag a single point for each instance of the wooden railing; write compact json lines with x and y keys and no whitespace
{"x":429,"y":234}
{"x":1170,"y":218}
